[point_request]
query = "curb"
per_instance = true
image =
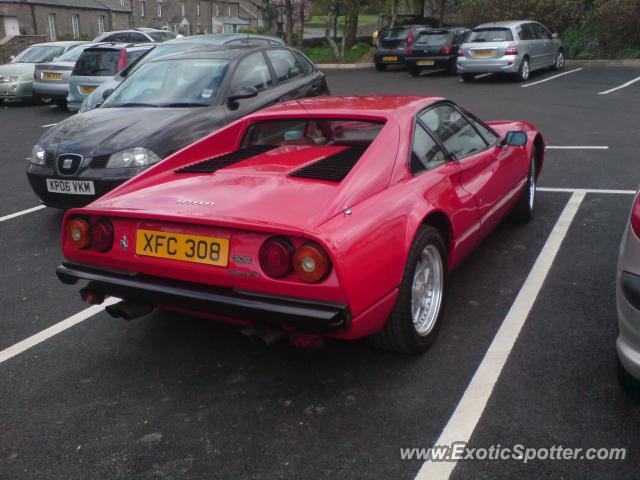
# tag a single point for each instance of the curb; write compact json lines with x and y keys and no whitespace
{"x":344,"y":66}
{"x":629,"y":62}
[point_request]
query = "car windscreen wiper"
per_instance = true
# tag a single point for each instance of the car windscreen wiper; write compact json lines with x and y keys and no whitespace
{"x":134,"y":104}
{"x":183,"y":104}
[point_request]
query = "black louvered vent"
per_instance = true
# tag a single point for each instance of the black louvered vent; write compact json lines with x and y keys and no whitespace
{"x":334,"y":167}
{"x":221,"y":161}
{"x":49,"y":158}
{"x":99,"y":161}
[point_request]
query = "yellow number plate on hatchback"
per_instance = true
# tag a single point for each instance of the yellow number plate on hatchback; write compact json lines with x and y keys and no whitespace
{"x":179,"y":246}
{"x":389,"y":59}
{"x":425,"y":62}
{"x":51,"y":76}
{"x":87,"y":90}
{"x":482,"y":53}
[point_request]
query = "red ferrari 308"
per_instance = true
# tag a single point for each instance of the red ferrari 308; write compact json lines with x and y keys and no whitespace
{"x":339,"y":216}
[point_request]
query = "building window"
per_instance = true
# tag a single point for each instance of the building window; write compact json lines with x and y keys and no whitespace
{"x":100,"y":23}
{"x":229,"y":16}
{"x":75,"y":25}
{"x":122,"y":3}
{"x":217,"y":10}
{"x":182,"y":9}
{"x":198,"y":9}
{"x":159,"y":9}
{"x":52,"y":27}
{"x":143,"y":9}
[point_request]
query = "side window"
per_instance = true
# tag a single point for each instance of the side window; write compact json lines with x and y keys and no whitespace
{"x":305,"y":62}
{"x":528,"y":33}
{"x":135,"y":37}
{"x":284,"y":64}
{"x":453,"y":130}
{"x":541,"y":32}
{"x":252,"y":72}
{"x":425,"y":153}
{"x":489,"y":136}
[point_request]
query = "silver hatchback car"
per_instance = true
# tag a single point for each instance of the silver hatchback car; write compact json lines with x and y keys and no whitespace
{"x":514,"y":47}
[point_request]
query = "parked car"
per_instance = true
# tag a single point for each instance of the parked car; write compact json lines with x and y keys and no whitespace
{"x":51,"y":80}
{"x":284,"y":218}
{"x":178,"y":45}
{"x":628,"y":302}
{"x":16,"y":78}
{"x":136,"y":35}
{"x":392,"y":43}
{"x":435,"y":48}
{"x":165,"y":105}
{"x":98,"y":64}
{"x":515,"y":47}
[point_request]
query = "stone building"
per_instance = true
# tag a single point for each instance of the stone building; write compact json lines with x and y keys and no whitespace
{"x":63,"y":19}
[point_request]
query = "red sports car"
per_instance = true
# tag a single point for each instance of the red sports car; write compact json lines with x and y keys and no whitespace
{"x":339,"y":216}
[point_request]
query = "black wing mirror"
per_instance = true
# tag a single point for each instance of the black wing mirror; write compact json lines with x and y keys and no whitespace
{"x":241,"y":93}
{"x":107,"y":93}
{"x":515,"y":139}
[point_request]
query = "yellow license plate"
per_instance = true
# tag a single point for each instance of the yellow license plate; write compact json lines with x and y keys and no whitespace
{"x":51,"y":76}
{"x":389,"y":59}
{"x":185,"y":247}
{"x":425,"y":62}
{"x":482,"y":53}
{"x":87,"y":90}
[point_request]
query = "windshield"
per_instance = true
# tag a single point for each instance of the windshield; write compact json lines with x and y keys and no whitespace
{"x":324,"y":132}
{"x":433,"y":39}
{"x":38,"y":54}
{"x":161,"y":36}
{"x":395,"y":34}
{"x":171,"y":83}
{"x":490,"y":35}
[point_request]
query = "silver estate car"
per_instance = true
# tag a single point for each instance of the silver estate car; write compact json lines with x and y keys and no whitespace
{"x":628,"y":302}
{"x":515,"y":47}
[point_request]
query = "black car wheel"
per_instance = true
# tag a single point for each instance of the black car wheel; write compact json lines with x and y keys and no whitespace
{"x":452,"y":69}
{"x":413,"y":70}
{"x":523,"y":210}
{"x":62,"y":103}
{"x":468,"y":77}
{"x":381,"y":67}
{"x":524,"y":71}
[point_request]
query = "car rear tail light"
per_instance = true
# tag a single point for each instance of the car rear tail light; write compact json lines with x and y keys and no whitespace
{"x":311,"y":263}
{"x":276,"y":257}
{"x":635,"y":216}
{"x":123,"y":59}
{"x":78,"y":232}
{"x":446,"y":50}
{"x":511,"y":49}
{"x":101,"y":235}
{"x":460,"y":53}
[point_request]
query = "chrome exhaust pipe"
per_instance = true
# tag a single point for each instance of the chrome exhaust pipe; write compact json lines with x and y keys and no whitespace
{"x":129,"y":310}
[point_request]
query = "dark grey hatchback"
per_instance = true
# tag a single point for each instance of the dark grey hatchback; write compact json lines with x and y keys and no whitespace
{"x":165,"y":105}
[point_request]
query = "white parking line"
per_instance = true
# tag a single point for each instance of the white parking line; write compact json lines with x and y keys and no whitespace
{"x":483,"y":75}
{"x":49,"y":125}
{"x":630,"y":82}
{"x":577,"y":147}
{"x":551,"y":78}
{"x":429,"y":72}
{"x":59,"y":327}
{"x":586,"y":190}
{"x":21,"y":212}
{"x":468,"y":412}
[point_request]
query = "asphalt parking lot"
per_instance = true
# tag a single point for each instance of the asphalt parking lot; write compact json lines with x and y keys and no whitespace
{"x":170,"y":396}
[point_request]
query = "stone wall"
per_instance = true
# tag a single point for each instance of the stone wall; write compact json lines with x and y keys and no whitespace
{"x":14,"y":45}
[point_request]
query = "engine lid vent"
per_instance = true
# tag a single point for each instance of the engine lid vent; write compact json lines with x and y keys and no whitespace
{"x":221,"y":161}
{"x":334,"y":167}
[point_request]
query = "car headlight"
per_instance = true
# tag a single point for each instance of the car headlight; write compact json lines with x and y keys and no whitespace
{"x":13,"y":79}
{"x":134,"y":157}
{"x":38,"y":155}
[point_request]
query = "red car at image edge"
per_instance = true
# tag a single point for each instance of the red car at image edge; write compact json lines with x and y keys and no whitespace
{"x":339,"y":216}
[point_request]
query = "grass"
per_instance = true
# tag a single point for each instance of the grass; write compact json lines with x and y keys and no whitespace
{"x":362,"y":19}
{"x":325,"y":54}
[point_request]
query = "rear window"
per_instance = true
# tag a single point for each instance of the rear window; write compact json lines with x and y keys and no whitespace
{"x":434,"y":39}
{"x":312,"y":132}
{"x":490,"y":35}
{"x":400,"y":33}
{"x":98,"y":63}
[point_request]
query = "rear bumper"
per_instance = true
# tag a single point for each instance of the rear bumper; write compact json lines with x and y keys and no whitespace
{"x":438,"y":62}
{"x":507,"y":64}
{"x":305,"y":315}
{"x":51,"y":90}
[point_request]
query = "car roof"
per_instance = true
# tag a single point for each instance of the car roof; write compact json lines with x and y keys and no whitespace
{"x":505,"y":24}
{"x":380,"y":106}
{"x":221,"y":38}
{"x":119,"y":46}
{"x":444,"y":29}
{"x":224,"y":52}
{"x":59,"y":44}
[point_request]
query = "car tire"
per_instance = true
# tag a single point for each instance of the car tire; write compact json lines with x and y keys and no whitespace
{"x":452,"y":69}
{"x":524,"y":71}
{"x":413,"y":71}
{"x":523,"y":210}
{"x":629,"y":384}
{"x":468,"y":77}
{"x":62,"y":104}
{"x":381,"y":67}
{"x":401,"y":333}
{"x":559,"y":62}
